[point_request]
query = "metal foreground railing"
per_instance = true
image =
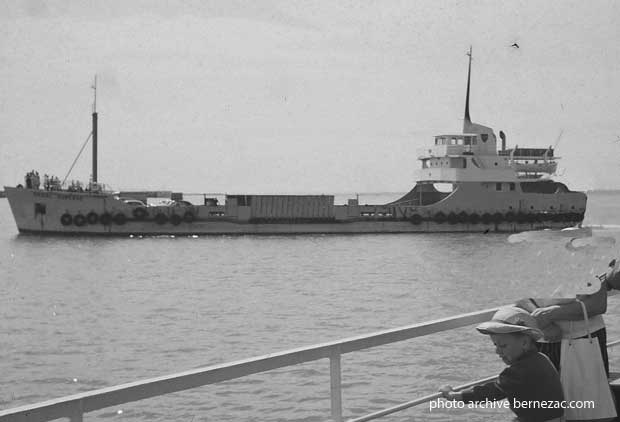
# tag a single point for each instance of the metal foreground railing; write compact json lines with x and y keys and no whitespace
{"x":75,"y":406}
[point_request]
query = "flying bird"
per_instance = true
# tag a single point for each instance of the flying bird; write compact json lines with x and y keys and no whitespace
{"x":515,"y":45}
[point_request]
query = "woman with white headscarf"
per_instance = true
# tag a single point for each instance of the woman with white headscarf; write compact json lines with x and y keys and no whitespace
{"x":563,"y":318}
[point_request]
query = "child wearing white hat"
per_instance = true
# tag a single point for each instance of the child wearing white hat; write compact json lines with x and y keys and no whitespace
{"x":530,"y":382}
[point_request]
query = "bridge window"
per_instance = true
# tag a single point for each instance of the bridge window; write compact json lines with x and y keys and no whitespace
{"x":498,"y":186}
{"x":512,"y":186}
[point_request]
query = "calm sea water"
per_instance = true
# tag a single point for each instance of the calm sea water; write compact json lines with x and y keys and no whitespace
{"x":79,"y":314}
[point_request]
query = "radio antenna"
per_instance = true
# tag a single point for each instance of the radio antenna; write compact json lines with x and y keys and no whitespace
{"x":94,"y":87}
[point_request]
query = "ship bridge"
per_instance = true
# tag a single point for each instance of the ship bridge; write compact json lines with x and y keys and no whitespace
{"x":463,"y":157}
{"x":453,"y":145}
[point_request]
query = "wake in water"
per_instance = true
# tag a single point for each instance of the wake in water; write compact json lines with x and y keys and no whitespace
{"x":550,"y":235}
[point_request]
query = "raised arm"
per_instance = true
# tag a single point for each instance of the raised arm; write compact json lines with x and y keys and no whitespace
{"x":596,"y":304}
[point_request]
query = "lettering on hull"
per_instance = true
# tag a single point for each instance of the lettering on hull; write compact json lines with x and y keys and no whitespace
{"x":58,"y":195}
{"x":402,"y":212}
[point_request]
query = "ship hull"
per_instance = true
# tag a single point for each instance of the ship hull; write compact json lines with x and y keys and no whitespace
{"x":45,"y":212}
{"x":220,"y":229}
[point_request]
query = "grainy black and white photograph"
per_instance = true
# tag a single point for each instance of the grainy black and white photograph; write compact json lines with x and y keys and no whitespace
{"x":309,"y":211}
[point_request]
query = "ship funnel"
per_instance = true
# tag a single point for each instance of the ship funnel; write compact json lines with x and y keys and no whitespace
{"x":502,"y":135}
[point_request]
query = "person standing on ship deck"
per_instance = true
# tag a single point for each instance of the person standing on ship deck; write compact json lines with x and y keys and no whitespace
{"x":568,"y":316}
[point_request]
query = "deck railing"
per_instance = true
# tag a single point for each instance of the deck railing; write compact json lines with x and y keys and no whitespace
{"x":75,"y":406}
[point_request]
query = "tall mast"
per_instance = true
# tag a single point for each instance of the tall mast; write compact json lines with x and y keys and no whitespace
{"x":467,"y":118}
{"x":95,"y":132}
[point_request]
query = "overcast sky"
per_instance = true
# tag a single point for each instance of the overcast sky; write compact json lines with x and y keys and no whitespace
{"x":301,"y":97}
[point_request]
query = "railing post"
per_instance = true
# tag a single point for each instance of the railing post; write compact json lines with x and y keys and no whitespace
{"x":77,"y":415}
{"x":335,"y":385}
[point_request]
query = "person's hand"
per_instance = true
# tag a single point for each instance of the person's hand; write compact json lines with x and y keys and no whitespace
{"x":526,"y":304}
{"x":544,"y":316}
{"x":448,"y":393}
{"x":612,"y":276}
{"x":552,"y":333}
{"x":445,"y":391}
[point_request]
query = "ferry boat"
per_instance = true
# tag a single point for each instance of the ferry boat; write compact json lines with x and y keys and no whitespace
{"x":489,"y":190}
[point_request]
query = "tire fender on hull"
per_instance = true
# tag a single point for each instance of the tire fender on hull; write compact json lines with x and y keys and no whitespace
{"x":79,"y":220}
{"x":120,"y":218}
{"x":105,"y":219}
{"x":161,"y":218}
{"x":139,"y":213}
{"x":176,"y":219}
{"x":188,"y":217}
{"x":66,"y":219}
{"x":416,"y":219}
{"x":92,"y":217}
{"x":439,"y":218}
